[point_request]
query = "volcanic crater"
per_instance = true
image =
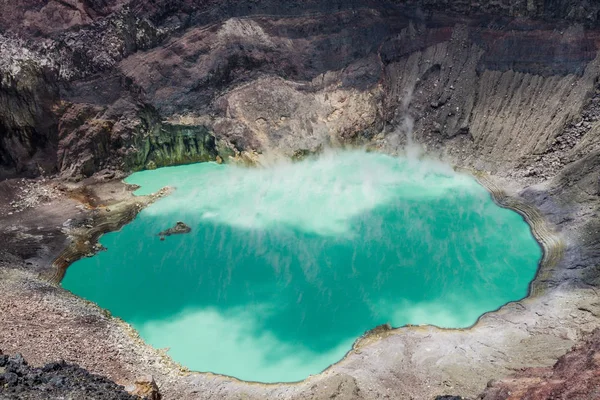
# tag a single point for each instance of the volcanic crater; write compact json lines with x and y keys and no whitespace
{"x":93,"y":90}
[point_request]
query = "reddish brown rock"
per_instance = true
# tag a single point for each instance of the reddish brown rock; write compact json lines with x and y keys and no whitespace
{"x":575,"y":376}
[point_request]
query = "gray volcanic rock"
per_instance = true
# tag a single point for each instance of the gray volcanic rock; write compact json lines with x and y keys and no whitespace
{"x":57,"y":380}
{"x":449,"y":397}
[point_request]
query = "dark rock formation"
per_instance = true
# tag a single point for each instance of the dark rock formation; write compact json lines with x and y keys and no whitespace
{"x":575,"y":376}
{"x":57,"y":380}
{"x":179,"y":228}
{"x":586,"y":11}
{"x":28,"y":124}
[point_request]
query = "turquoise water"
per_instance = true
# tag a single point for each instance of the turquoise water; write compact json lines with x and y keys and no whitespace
{"x":285,"y":267}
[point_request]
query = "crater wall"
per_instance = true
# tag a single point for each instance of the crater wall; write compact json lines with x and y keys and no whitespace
{"x":113,"y":85}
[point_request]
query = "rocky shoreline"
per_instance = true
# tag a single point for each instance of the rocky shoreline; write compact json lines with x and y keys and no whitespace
{"x":551,"y":244}
{"x":84,"y":239}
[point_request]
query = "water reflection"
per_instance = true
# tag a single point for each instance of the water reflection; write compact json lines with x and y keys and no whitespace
{"x":237,"y":345}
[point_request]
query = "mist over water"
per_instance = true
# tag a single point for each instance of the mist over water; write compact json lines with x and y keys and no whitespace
{"x":285,"y":267}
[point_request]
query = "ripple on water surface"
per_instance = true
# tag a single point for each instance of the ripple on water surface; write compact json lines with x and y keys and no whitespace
{"x":286,"y":267}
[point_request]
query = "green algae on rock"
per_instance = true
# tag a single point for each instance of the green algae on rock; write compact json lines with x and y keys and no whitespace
{"x":285,"y":267}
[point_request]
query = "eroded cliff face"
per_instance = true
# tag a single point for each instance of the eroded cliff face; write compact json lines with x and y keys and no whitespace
{"x":28,"y":124}
{"x":118,"y":85}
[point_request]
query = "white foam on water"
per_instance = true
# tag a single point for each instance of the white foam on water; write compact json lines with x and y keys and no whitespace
{"x":319,"y":196}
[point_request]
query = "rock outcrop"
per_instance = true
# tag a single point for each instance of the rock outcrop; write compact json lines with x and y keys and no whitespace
{"x":177,"y":229}
{"x":145,"y":388}
{"x":55,"y":380}
{"x":28,"y":123}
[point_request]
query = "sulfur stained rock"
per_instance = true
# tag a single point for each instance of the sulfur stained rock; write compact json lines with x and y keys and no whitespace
{"x":145,"y":388}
